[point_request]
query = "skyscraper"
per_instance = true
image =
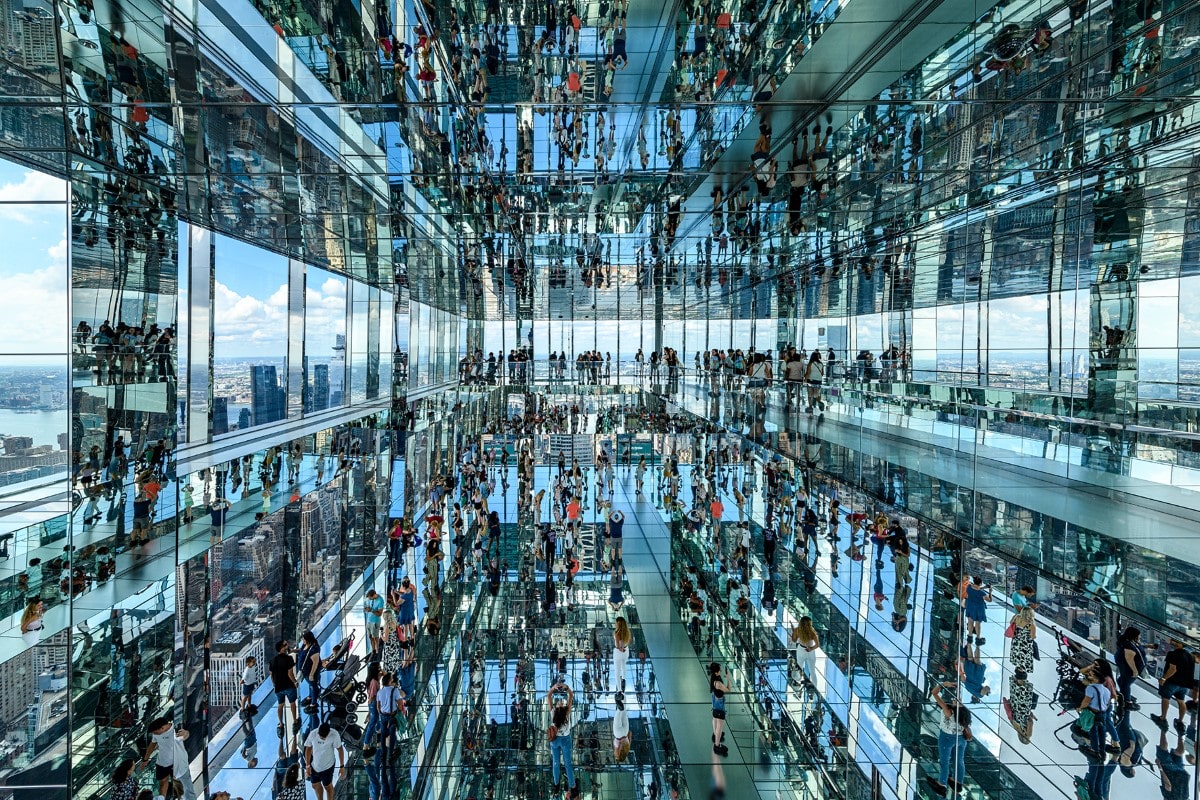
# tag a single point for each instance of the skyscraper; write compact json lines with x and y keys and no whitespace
{"x":268,"y":400}
{"x":337,"y":373}
{"x":220,"y":415}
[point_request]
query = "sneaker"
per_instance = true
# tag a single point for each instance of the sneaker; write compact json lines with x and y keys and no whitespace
{"x":936,"y":785}
{"x":980,"y":642}
{"x":1179,"y":726}
{"x":1159,"y":721}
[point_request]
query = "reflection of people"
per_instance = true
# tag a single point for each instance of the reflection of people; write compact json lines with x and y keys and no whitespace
{"x":1177,"y":682}
{"x":622,"y":637}
{"x":976,"y":597}
{"x":622,"y":738}
{"x":372,"y":615}
{"x":1018,"y":708}
{"x":953,"y":734}
{"x":172,"y":762}
{"x":31,"y":620}
{"x":973,"y":673}
{"x":717,"y":690}
{"x":283,"y":681}
{"x":322,"y":752}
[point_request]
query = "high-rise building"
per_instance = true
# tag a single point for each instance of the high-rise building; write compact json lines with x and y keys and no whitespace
{"x":220,"y":415}
{"x":336,"y":371}
{"x":268,"y":400}
{"x":320,"y":387}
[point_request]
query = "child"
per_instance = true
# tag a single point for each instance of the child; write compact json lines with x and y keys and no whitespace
{"x":249,"y":682}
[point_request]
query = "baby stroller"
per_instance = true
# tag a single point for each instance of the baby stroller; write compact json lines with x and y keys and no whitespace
{"x":1070,"y":663}
{"x":342,"y":697}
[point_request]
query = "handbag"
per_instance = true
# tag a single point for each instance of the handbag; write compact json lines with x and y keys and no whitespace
{"x":551,"y":733}
{"x":1087,"y":719}
{"x":1037,"y":653}
{"x":1011,"y":630}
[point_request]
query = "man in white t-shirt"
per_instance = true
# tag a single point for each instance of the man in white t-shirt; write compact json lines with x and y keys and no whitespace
{"x":322,"y":752}
{"x":172,"y":761}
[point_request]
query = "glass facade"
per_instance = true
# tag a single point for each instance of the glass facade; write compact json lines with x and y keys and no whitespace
{"x":279,"y":275}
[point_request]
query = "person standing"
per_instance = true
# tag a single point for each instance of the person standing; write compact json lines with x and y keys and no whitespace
{"x":954,"y":731}
{"x":373,"y":617}
{"x":387,"y":706}
{"x":1177,"y":682}
{"x":560,"y":736}
{"x":814,"y":377}
{"x":284,"y":682}
{"x":622,"y":639}
{"x":172,"y":762}
{"x":717,"y":510}
{"x":1020,"y":652}
{"x":622,"y":738}
{"x":249,"y":683}
{"x":616,"y":529}
{"x":1131,"y":663}
{"x":407,"y":613}
{"x":1098,"y":699}
{"x":308,"y":662}
{"x":975,"y":600}
{"x":717,"y":690}
{"x":805,"y":642}
{"x":323,"y":752}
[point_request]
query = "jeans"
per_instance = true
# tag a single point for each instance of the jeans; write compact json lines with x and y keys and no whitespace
{"x":951,"y":746}
{"x":1099,"y":778}
{"x":1101,"y":728}
{"x":561,"y":748}
{"x":387,"y":729}
{"x":372,"y":723}
{"x":1125,"y":684}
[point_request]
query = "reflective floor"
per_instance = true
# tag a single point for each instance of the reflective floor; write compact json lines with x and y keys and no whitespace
{"x":855,"y":720}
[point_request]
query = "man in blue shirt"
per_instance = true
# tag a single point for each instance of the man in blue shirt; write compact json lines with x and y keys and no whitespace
{"x":373,"y":615}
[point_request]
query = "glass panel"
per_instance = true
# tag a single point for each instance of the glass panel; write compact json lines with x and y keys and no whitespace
{"x":324,"y":340}
{"x":250,"y":330}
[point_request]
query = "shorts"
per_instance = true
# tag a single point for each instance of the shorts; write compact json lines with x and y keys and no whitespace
{"x":1172,"y":691}
{"x":373,"y":630}
{"x":285,"y":695}
{"x":718,"y":713}
{"x":162,"y":773}
{"x":248,"y":689}
{"x":324,"y":777}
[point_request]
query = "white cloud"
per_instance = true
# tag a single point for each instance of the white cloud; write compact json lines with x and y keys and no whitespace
{"x":33,"y":318}
{"x":34,"y":187}
{"x":245,"y":325}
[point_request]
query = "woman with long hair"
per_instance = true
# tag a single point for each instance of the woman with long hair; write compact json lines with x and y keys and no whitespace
{"x":560,"y":741}
{"x":1020,"y":652}
{"x":717,"y":689}
{"x":124,"y":781}
{"x":814,"y":376}
{"x":390,"y":634}
{"x":292,"y":789}
{"x":622,"y":638}
{"x":805,"y":642}
{"x":31,"y":620}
